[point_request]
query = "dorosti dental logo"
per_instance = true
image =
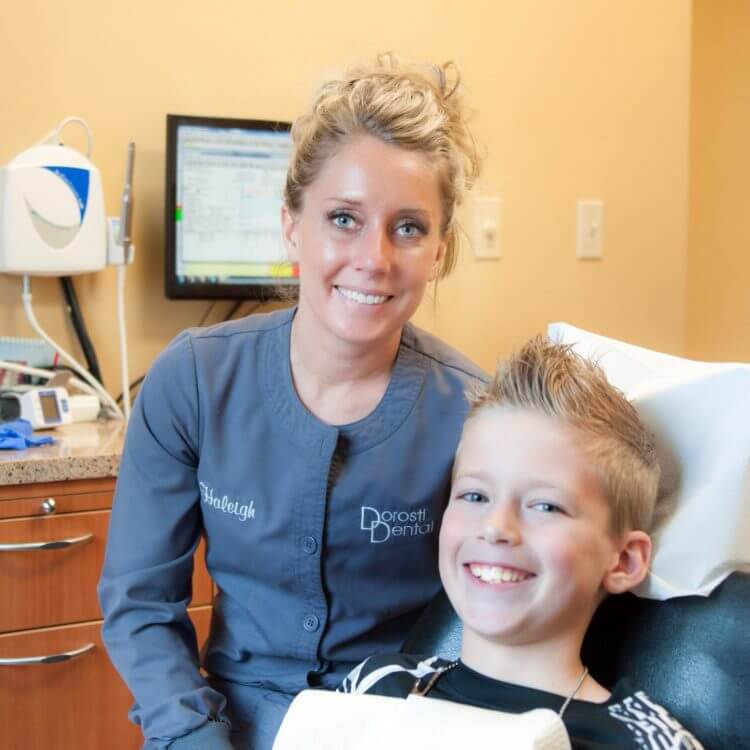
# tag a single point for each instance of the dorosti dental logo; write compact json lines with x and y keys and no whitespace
{"x":384,"y":524}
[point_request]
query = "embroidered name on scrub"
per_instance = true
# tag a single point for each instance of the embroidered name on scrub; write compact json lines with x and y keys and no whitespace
{"x":243,"y":511}
{"x":384,"y":524}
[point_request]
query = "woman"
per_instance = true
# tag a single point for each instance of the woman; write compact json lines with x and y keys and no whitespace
{"x":312,"y":447}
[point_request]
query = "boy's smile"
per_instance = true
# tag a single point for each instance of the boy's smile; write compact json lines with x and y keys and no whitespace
{"x":498,"y":574}
{"x":525,"y":546}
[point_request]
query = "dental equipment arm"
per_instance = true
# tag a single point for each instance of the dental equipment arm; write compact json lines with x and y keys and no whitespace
{"x":125,"y":252}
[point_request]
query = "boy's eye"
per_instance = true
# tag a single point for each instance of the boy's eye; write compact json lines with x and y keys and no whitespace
{"x":545,"y":506}
{"x":473,"y":497}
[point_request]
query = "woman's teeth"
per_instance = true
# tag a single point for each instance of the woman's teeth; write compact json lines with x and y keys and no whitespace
{"x":362,"y":299}
{"x":497,"y":574}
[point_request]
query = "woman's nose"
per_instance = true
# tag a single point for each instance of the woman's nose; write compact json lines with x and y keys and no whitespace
{"x":500,"y":524}
{"x":373,"y":251}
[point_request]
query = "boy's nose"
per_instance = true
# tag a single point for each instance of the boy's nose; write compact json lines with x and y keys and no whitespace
{"x":373,"y":251}
{"x":500,"y":525}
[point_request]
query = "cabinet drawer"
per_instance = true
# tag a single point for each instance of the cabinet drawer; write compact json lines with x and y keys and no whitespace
{"x":55,"y":504}
{"x":57,"y":586}
{"x":67,"y":497}
{"x":71,"y":705}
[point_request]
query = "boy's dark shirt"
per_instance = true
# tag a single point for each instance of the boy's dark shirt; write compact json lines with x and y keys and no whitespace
{"x":628,"y":720}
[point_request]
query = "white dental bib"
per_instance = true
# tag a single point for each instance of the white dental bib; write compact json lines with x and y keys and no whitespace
{"x":321,"y":720}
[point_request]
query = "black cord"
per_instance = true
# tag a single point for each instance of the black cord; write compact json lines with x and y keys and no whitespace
{"x":79,"y":324}
{"x":233,"y":309}
{"x":134,"y":384}
{"x":206,"y":314}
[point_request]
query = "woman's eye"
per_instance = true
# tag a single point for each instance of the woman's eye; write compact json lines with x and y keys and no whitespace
{"x":473,"y":497}
{"x":342,"y":221}
{"x":410,"y":229}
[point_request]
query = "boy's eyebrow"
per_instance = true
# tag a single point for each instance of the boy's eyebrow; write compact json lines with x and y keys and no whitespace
{"x":541,"y":483}
{"x":480,"y":474}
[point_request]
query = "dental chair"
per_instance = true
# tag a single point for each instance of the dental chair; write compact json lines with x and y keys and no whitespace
{"x":691,"y":654}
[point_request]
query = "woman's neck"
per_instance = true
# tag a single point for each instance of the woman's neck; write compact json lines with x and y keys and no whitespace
{"x":338,"y":381}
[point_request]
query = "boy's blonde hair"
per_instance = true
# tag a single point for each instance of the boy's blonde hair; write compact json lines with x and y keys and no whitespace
{"x":414,"y":106}
{"x":552,"y":379}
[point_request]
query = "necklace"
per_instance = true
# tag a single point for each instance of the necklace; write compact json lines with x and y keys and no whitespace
{"x":418,"y":690}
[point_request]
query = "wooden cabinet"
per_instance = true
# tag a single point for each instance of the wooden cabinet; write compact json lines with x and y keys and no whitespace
{"x":48,"y":607}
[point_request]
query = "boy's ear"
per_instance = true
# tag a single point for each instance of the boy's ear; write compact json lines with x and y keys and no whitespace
{"x":631,"y":565}
{"x":289,"y":233}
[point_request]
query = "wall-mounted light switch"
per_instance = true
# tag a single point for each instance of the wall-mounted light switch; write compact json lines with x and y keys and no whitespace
{"x":487,"y":223}
{"x":589,"y":229}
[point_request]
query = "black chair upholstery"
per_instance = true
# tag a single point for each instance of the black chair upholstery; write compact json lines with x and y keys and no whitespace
{"x":690,"y":654}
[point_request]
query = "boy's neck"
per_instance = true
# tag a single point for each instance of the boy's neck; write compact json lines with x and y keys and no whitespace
{"x":553,"y":665}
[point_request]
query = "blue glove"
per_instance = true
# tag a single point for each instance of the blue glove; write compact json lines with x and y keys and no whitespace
{"x":17,"y":436}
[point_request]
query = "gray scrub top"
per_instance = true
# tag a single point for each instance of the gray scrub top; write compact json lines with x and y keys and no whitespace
{"x":322,"y":540}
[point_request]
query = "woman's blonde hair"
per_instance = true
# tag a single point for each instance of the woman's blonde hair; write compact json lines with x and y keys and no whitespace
{"x":414,"y":106}
{"x":551,"y":379}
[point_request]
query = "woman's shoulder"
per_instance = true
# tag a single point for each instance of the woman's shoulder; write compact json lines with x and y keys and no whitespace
{"x":392,"y":675}
{"x":442,"y":355}
{"x":249,"y":325}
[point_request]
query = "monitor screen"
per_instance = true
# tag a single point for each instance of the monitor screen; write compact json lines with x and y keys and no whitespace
{"x":48,"y":402}
{"x":225,"y":181}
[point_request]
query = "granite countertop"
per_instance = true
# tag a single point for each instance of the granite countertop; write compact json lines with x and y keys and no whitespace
{"x":84,"y":450}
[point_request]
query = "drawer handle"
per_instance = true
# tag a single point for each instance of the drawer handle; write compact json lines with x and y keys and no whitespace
{"x":57,"y":544}
{"x":51,"y":659}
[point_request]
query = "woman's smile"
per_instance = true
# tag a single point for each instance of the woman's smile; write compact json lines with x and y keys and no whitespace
{"x":367,"y":240}
{"x":363,"y":297}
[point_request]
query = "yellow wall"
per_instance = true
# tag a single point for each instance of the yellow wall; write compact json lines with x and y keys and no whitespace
{"x":574,"y":99}
{"x":719,"y":234}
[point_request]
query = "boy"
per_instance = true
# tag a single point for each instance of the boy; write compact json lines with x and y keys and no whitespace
{"x":554,"y":488}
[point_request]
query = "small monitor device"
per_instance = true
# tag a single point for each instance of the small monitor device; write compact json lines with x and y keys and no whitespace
{"x":43,"y":407}
{"x":225,"y":182}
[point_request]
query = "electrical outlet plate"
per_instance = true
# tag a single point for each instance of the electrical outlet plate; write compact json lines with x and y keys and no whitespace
{"x":589,"y":229}
{"x":487,"y":225}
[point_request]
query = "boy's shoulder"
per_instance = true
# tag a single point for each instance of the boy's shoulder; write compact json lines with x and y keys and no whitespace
{"x":649,"y":724}
{"x":392,"y":675}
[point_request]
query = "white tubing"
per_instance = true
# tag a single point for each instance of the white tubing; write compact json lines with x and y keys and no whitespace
{"x":123,"y":341}
{"x":87,"y":376}
{"x":53,"y":136}
{"x":38,"y":372}
{"x":89,"y":137}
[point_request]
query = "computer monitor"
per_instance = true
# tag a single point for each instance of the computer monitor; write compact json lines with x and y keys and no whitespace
{"x":225,"y":180}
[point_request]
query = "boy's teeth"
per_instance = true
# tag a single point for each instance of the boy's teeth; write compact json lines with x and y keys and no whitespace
{"x":497,"y":574}
{"x":363,"y":299}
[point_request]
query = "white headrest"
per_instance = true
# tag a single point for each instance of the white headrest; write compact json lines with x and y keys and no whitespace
{"x":699,"y":413}
{"x":321,"y":720}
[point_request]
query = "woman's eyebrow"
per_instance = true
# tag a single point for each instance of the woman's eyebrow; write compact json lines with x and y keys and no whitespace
{"x":352,"y":201}
{"x":343,"y":199}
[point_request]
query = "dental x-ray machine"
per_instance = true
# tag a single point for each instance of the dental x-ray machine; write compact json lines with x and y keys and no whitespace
{"x":53,"y":223}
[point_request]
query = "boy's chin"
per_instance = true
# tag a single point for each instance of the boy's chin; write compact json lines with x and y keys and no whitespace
{"x":501,"y":631}
{"x":522,"y":629}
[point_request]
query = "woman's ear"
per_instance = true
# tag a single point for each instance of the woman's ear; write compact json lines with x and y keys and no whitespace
{"x":289,"y":233}
{"x":438,"y":263}
{"x":630,"y":567}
